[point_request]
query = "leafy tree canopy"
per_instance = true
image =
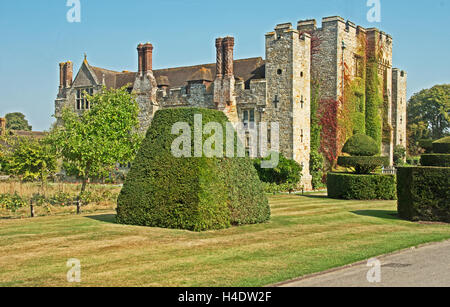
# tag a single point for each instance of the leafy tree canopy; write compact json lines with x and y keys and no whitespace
{"x":29,"y":158}
{"x":17,"y":121}
{"x":103,"y":136}
{"x":429,"y":114}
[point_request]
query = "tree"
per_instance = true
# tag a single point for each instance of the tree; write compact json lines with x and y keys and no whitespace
{"x":17,"y":121}
{"x":31,"y":159}
{"x":100,"y":138}
{"x":429,"y":114}
{"x":286,"y":172}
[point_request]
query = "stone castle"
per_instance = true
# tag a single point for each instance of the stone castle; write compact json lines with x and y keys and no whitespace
{"x":275,"y":89}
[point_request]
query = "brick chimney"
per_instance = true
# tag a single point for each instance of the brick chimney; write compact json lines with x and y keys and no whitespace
{"x":228,"y":50}
{"x":145,"y":54}
{"x":224,"y":84}
{"x":65,"y":74}
{"x":219,"y":58}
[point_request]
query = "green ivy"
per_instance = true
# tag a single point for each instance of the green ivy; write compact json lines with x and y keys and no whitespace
{"x":374,"y":101}
{"x":316,"y":158}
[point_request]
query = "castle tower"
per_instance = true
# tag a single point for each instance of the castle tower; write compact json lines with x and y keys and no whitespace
{"x":288,"y":65}
{"x":399,"y":102}
{"x":145,"y":86}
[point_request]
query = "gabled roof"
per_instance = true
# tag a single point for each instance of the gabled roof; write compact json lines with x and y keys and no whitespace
{"x":245,"y":69}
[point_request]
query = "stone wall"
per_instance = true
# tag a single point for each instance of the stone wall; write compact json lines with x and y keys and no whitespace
{"x":399,"y":103}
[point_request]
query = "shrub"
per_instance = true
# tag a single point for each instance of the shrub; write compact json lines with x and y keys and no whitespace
{"x":361,"y":145}
{"x":435,"y":160}
{"x":12,"y":202}
{"x":273,"y":188}
{"x":287,"y":171}
{"x":427,"y":145}
{"x":363,"y":165}
{"x":413,"y":160}
{"x":442,"y":146}
{"x":189,"y":193}
{"x":316,"y":169}
{"x":399,"y":155}
{"x":361,"y":187}
{"x":424,"y":193}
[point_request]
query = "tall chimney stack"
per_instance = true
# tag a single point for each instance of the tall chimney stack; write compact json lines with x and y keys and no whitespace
{"x":65,"y":74}
{"x":69,"y":74}
{"x":140,"y":58}
{"x":228,"y":50}
{"x":219,"y":58}
{"x":145,"y":53}
{"x":61,"y":75}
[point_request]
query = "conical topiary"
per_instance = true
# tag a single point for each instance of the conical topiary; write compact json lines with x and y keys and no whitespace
{"x":196,"y":193}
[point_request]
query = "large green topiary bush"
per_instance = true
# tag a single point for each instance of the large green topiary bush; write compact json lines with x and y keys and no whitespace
{"x":361,"y":145}
{"x":424,"y":193}
{"x":189,"y":193}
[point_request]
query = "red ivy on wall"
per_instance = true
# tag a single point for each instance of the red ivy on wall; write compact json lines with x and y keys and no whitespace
{"x":328,"y":120}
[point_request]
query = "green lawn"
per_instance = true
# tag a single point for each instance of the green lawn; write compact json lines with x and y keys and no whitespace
{"x":305,"y":235}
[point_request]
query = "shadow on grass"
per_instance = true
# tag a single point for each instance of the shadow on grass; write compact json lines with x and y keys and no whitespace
{"x":382,"y":214}
{"x":105,"y":218}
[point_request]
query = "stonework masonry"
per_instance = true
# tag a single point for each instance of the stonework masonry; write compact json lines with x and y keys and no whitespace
{"x":399,"y":99}
{"x":277,"y":89}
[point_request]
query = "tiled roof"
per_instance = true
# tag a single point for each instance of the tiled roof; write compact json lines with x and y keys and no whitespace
{"x":245,"y":69}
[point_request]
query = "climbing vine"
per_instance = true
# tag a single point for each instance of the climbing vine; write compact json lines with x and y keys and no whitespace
{"x":374,"y":98}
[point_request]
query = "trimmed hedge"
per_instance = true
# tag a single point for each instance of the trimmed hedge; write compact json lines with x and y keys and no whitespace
{"x":363,"y":165}
{"x":189,"y":193}
{"x":361,"y":187}
{"x":361,"y":145}
{"x":435,"y":160}
{"x":424,"y":193}
{"x":442,"y":146}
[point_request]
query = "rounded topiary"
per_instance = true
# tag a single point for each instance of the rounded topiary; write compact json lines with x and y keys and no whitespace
{"x":193,"y":193}
{"x":361,"y":145}
{"x":442,"y":146}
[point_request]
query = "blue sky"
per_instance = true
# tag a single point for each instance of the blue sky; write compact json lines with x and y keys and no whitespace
{"x":35,"y":37}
